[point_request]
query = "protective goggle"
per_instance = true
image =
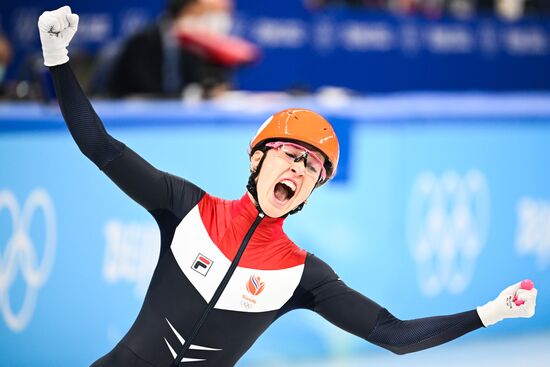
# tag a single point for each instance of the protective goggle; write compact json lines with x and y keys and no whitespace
{"x":295,"y":153}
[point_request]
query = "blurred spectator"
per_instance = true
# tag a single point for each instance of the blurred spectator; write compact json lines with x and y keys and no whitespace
{"x":515,"y":9}
{"x":369,"y":4}
{"x":434,"y":9}
{"x":429,"y":8}
{"x":152,"y":62}
{"x":509,"y":9}
{"x":5,"y":59}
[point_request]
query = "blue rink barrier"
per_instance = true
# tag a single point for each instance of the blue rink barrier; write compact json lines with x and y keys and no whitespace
{"x":441,"y":202}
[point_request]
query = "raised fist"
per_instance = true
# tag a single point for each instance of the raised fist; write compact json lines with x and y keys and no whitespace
{"x":57,"y":28}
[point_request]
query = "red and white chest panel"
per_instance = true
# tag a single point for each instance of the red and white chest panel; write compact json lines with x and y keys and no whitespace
{"x":204,"y":265}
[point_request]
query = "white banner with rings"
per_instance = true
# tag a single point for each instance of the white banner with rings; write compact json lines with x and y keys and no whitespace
{"x":447,"y":225}
{"x":19,"y":255}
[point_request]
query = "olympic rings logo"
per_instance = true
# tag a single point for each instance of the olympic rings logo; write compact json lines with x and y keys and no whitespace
{"x":246,"y":305}
{"x":447,"y":224}
{"x":20,"y":255}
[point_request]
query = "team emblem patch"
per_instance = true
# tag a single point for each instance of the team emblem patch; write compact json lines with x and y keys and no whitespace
{"x":255,"y":286}
{"x":202,"y":264}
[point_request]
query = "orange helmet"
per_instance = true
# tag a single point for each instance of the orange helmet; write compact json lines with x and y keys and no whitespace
{"x":305,"y":126}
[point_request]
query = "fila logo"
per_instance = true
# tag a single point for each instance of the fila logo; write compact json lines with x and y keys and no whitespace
{"x":202,"y":264}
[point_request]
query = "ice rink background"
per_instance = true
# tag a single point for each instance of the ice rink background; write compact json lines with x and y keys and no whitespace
{"x":529,"y":350}
{"x":467,"y":171}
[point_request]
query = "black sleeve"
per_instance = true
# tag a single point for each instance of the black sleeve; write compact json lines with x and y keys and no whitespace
{"x":324,"y":293}
{"x":151,"y":188}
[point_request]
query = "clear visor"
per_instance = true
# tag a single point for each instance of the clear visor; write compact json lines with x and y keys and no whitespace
{"x":294,"y":153}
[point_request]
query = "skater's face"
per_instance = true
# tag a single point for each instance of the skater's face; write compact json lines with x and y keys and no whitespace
{"x":287,"y":177}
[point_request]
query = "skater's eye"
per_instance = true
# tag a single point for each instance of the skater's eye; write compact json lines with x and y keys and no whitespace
{"x":291,"y":155}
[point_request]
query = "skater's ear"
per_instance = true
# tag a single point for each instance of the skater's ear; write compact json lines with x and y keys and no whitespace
{"x":255,"y":160}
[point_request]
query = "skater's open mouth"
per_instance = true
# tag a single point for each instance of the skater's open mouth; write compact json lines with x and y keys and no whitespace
{"x":285,"y":190}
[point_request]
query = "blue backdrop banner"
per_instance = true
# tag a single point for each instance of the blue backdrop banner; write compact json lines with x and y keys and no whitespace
{"x":357,"y":49}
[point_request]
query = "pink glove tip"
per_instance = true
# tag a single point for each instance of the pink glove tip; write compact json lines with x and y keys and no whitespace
{"x":526,"y":284}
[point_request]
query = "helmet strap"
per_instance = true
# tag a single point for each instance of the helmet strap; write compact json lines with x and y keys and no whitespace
{"x":297,"y":209}
{"x":251,"y":185}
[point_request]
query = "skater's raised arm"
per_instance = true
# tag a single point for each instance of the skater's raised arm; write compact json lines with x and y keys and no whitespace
{"x":151,"y":188}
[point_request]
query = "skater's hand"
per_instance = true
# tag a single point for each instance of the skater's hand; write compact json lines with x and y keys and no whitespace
{"x":57,"y":28}
{"x":504,"y":307}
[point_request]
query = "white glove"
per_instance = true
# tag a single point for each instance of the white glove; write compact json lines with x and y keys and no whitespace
{"x":503,"y":307}
{"x":57,"y":28}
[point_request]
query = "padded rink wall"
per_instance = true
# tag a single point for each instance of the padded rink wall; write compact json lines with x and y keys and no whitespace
{"x":441,"y":201}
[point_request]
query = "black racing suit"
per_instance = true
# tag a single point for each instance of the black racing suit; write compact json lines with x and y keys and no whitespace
{"x":200,"y":237}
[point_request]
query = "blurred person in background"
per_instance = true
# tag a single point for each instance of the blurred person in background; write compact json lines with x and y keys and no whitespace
{"x":6,"y":54}
{"x":153,"y":62}
{"x":428,"y":8}
{"x":510,"y":9}
{"x":369,"y":4}
{"x":196,"y":310}
{"x":434,"y":9}
{"x":516,"y":9}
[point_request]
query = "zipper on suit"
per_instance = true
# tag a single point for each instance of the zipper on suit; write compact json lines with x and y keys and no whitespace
{"x":219,"y":290}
